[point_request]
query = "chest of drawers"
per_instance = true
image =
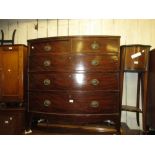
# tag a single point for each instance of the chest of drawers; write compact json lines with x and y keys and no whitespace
{"x":75,"y":80}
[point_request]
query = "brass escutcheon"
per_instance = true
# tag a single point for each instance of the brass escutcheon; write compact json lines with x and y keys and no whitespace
{"x":47,"y":63}
{"x":94,"y":104}
{"x":47,"y":103}
{"x":47,"y":48}
{"x":94,"y":82}
{"x":47,"y":82}
{"x":94,"y":62}
{"x":95,"y":45}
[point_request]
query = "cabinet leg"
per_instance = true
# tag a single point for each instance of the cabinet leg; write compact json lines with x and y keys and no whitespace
{"x":144,"y":101}
{"x":118,"y":127}
{"x":138,"y":96}
{"x":28,"y":123}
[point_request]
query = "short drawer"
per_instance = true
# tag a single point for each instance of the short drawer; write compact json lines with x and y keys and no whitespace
{"x":95,"y":44}
{"x":78,"y":62}
{"x":86,"y":102}
{"x":12,"y":121}
{"x":58,"y":46}
{"x":7,"y":124}
{"x":70,"y":81}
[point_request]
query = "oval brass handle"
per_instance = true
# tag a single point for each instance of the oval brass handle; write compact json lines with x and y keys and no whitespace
{"x":47,"y":82}
{"x":95,"y":45}
{"x":47,"y":63}
{"x":94,"y":82}
{"x":47,"y":103}
{"x":94,"y":62}
{"x":47,"y":48}
{"x":94,"y":104}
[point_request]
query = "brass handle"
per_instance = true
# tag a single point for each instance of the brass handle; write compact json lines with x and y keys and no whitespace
{"x":47,"y":82}
{"x":47,"y":48}
{"x":47,"y":63}
{"x":94,"y":104}
{"x":95,"y":45}
{"x":94,"y":62}
{"x":47,"y":103}
{"x":94,"y":82}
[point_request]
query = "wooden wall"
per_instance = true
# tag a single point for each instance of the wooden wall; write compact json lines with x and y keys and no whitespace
{"x":132,"y":31}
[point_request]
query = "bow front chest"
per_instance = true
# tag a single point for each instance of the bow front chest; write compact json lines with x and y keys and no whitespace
{"x":75,"y":80}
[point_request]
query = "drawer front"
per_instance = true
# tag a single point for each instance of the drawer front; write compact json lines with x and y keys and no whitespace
{"x":92,"y":62}
{"x":12,"y":121}
{"x":135,"y":57}
{"x":95,"y":44}
{"x":74,"y":102}
{"x":70,"y":81}
{"x":9,"y":48}
{"x":7,"y":124}
{"x":57,"y":46}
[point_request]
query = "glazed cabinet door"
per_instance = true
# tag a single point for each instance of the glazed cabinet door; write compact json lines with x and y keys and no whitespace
{"x":11,"y":76}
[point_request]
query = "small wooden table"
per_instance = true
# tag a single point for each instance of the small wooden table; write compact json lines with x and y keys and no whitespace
{"x":135,"y":59}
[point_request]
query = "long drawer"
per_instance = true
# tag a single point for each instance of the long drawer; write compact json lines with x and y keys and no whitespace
{"x":74,"y":81}
{"x":86,"y":102}
{"x":78,"y":62}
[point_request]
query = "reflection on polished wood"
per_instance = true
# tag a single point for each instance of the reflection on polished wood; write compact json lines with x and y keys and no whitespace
{"x":70,"y":81}
{"x":69,"y":62}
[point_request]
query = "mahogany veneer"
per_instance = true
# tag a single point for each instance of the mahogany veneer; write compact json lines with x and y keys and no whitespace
{"x":75,"y":80}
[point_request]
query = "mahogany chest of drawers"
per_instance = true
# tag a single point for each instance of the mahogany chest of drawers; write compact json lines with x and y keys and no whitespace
{"x":75,"y":80}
